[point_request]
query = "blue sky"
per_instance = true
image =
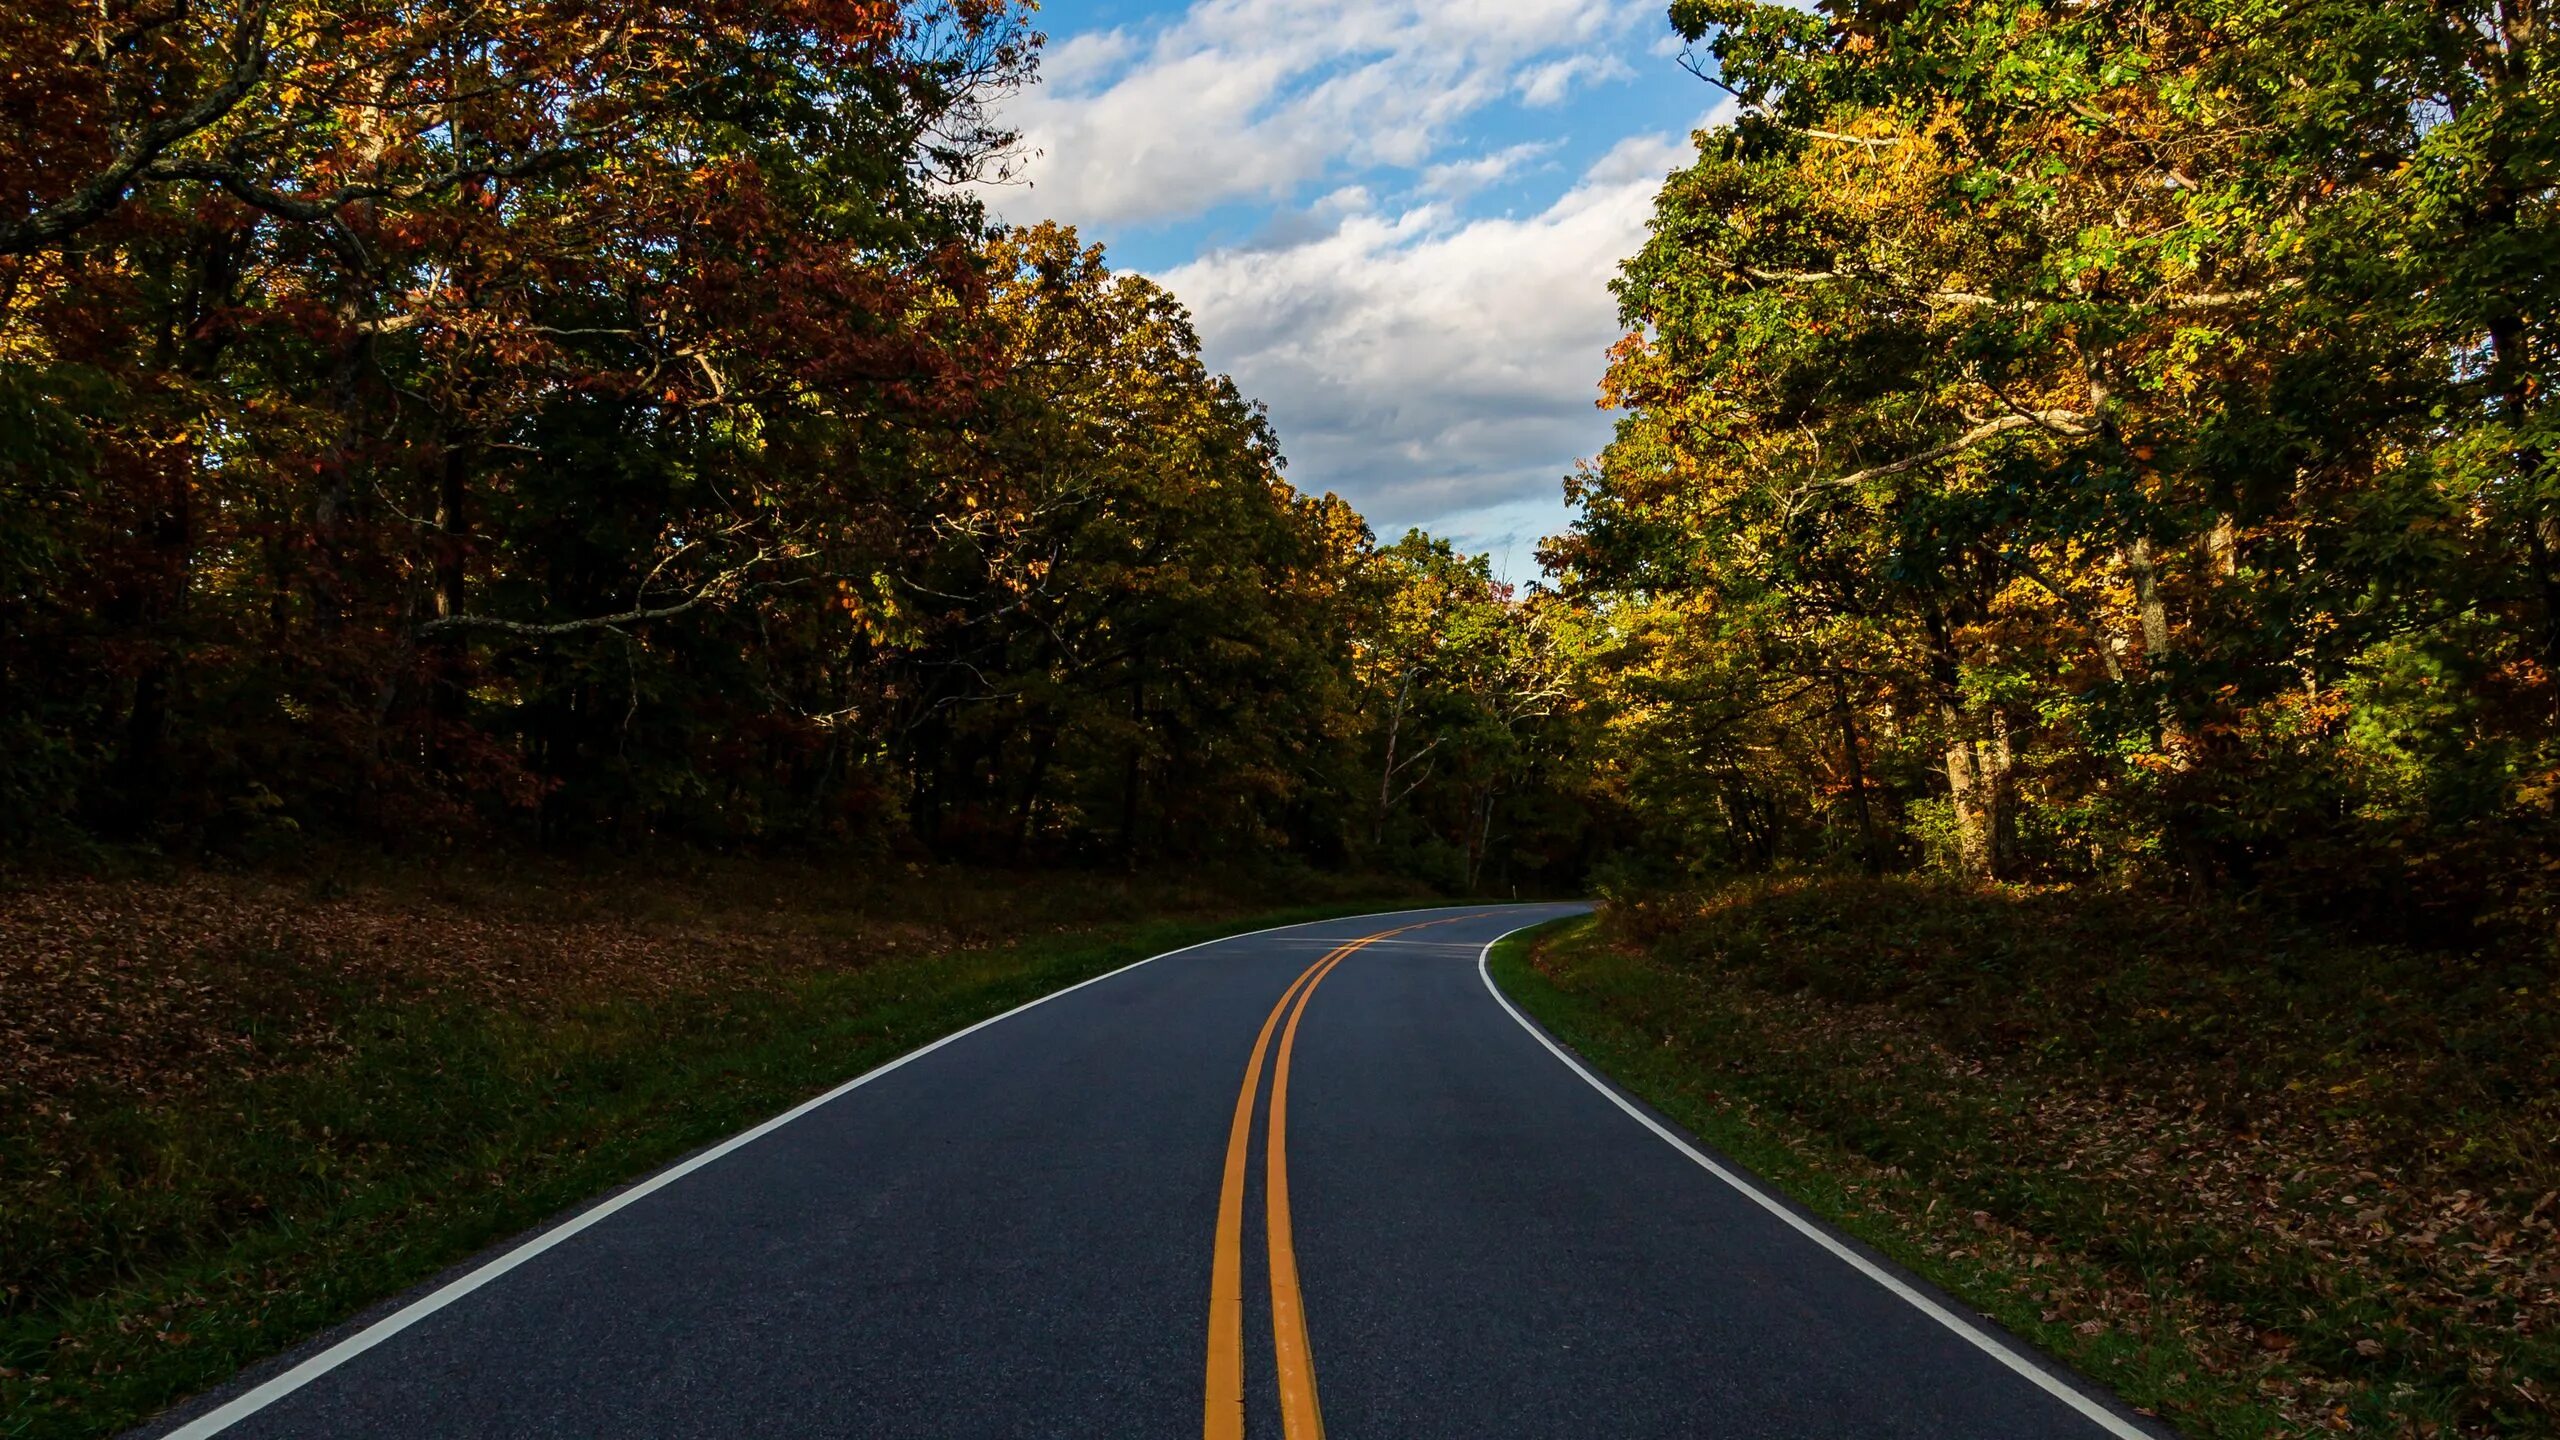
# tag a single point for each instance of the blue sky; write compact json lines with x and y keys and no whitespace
{"x":1394,"y":221}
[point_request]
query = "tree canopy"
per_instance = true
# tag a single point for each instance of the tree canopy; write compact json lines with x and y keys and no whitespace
{"x":2098,"y":438}
{"x":2053,"y":442}
{"x":602,"y":422}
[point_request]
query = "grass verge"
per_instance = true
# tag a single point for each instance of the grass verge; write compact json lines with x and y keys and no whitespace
{"x":249,"y":1121}
{"x":2257,"y":1179}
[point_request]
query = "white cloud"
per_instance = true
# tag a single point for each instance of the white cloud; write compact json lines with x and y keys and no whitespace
{"x":1465,"y":177}
{"x":1241,"y":100}
{"x":1549,"y":84}
{"x":1426,"y":365}
{"x":1434,"y":365}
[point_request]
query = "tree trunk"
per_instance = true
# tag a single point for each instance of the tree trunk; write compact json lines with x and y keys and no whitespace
{"x":1977,"y":762}
{"x":1480,"y":837}
{"x":2146,"y":594}
{"x":158,"y":614}
{"x":322,"y":576}
{"x":1387,"y":772}
{"x":1969,"y":787}
{"x":2222,"y":543}
{"x":1131,"y":790}
{"x":2541,"y":532}
{"x":2512,"y":367}
{"x":1870,"y":852}
{"x":1032,"y":784}
{"x":449,"y":703}
{"x":1978,"y":783}
{"x":2154,"y":609}
{"x":1386,"y":777}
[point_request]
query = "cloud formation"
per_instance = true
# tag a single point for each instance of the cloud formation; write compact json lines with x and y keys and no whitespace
{"x":1242,"y":100}
{"x":1428,"y":364}
{"x":1464,"y":177}
{"x":1548,"y":84}
{"x":1434,"y":362}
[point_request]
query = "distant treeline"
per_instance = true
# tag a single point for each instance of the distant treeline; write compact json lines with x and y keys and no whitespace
{"x":597,"y":422}
{"x":2107,"y":439}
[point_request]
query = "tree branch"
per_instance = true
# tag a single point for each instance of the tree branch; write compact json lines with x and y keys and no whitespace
{"x":1762,"y":113}
{"x":98,"y":197}
{"x":537,"y":631}
{"x":1974,"y":300}
{"x":719,"y":587}
{"x":2069,"y":423}
{"x":313,"y":209}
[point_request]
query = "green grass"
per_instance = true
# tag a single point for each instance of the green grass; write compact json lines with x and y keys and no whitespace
{"x":192,"y":1237}
{"x":2208,"y":1236}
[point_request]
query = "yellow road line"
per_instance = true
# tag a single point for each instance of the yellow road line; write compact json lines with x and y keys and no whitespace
{"x":1300,"y":1419}
{"x":1222,"y":1413}
{"x":1222,"y":1410}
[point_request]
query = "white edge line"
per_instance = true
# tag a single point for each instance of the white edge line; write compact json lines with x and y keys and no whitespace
{"x":242,"y":1407}
{"x":1982,"y":1340}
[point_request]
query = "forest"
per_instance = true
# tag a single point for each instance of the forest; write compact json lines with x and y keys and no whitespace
{"x":2120,"y":451}
{"x":590,"y":426}
{"x":2123,"y":450}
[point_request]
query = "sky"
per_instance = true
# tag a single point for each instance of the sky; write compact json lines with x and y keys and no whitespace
{"x":1393,"y":221}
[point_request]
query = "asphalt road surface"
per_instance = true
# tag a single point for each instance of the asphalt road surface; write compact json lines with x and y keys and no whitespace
{"x":1274,"y":1185}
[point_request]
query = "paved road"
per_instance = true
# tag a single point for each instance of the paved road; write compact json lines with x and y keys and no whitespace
{"x":1068,"y":1222}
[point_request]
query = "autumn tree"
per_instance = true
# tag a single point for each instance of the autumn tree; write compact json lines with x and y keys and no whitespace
{"x":395,"y":375}
{"x":1467,"y":681}
{"x":1125,"y":630}
{"x":620,"y":424}
{"x":2080,"y":392}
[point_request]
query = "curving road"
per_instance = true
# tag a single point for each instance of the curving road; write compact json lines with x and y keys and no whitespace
{"x":1320,"y":1177}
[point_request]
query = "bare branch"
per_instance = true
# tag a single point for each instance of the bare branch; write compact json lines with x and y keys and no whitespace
{"x":1413,"y":759}
{"x":2219,"y":299}
{"x":1838,"y":137}
{"x":1974,"y":300}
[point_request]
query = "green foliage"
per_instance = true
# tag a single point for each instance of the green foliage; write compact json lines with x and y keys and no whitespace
{"x":2107,"y":439}
{"x":1475,"y":744}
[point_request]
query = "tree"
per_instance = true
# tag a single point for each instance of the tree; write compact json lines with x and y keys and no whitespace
{"x":1127,"y":628}
{"x":1465,"y":676}
{"x":2117,"y":403}
{"x":367,"y":323}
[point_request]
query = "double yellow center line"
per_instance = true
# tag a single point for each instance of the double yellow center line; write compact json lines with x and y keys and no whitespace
{"x":1222,"y":1412}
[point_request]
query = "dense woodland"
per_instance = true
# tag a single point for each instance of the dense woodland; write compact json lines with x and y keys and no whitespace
{"x":2056,"y":442}
{"x":2098,"y":440}
{"x":592,"y":423}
